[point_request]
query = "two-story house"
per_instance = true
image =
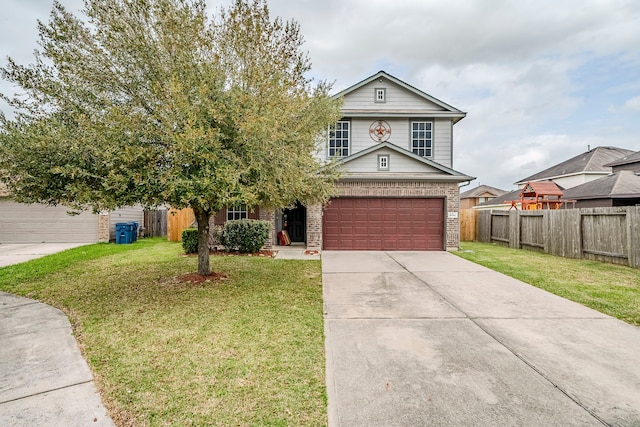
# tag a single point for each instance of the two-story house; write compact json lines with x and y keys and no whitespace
{"x":398,"y":189}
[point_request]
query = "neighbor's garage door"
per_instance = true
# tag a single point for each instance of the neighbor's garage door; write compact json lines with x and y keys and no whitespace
{"x":384,"y":224}
{"x":20,"y":223}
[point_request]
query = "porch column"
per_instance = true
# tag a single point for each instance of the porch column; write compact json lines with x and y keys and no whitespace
{"x":314,"y":227}
{"x":270,"y":217}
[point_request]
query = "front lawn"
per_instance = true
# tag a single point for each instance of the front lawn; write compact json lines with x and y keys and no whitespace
{"x":244,"y":351}
{"x":609,"y":288}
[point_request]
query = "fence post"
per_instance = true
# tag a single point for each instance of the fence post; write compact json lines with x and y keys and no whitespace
{"x":484,"y":226}
{"x":633,"y":236}
{"x":514,"y":229}
{"x":551,"y":232}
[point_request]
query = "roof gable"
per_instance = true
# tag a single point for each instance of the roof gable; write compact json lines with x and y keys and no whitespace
{"x":482,"y":191}
{"x":593,"y":161}
{"x":415,"y":102}
{"x":540,"y":188}
{"x":630,"y":158}
{"x":427,"y":167}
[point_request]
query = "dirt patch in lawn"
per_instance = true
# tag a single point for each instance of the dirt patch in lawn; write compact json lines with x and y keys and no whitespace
{"x":195,"y":279}
{"x":263,"y":253}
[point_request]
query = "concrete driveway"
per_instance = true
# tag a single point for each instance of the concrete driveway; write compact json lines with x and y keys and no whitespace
{"x":17,"y":253}
{"x":427,"y":338}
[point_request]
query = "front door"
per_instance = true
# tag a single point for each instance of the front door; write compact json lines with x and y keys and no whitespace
{"x":295,"y":222}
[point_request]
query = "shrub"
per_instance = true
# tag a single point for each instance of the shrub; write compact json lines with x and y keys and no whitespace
{"x":215,"y":236}
{"x":190,"y":240}
{"x":245,"y":235}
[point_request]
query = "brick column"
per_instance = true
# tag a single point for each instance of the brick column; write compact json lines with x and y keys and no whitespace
{"x":103,"y":227}
{"x":269,"y":216}
{"x":314,"y":227}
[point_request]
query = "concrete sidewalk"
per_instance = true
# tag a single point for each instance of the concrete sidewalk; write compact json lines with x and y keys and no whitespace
{"x":44,"y":381}
{"x":427,"y":338}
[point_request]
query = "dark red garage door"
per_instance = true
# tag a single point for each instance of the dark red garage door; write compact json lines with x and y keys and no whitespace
{"x":384,"y":224}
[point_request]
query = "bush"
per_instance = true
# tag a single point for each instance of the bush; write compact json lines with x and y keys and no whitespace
{"x":190,"y":240}
{"x":215,"y":236}
{"x":245,"y":235}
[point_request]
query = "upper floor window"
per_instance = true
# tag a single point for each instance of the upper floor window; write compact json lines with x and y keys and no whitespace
{"x":380,"y":95}
{"x":339,"y":139}
{"x":422,"y":138}
{"x":236,"y":212}
{"x":383,"y":162}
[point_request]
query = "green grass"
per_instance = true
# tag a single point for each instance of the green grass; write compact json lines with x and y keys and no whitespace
{"x":609,"y":288}
{"x":245,"y":351}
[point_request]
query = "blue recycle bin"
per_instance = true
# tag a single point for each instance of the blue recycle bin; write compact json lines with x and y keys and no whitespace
{"x":134,"y":231}
{"x":124,"y":233}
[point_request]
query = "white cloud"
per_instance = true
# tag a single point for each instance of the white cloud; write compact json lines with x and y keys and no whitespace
{"x":633,"y":103}
{"x":523,"y":70}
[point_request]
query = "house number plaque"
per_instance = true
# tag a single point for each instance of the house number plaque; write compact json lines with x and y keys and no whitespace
{"x":380,"y":131}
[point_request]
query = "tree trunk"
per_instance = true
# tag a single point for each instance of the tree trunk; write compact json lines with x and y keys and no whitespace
{"x":202,"y":216}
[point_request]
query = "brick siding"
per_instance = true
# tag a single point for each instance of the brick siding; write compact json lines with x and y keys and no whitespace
{"x":447,"y":190}
{"x":103,"y":227}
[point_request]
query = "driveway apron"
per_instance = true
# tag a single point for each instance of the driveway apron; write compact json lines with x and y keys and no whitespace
{"x":44,"y":381}
{"x":427,"y":338}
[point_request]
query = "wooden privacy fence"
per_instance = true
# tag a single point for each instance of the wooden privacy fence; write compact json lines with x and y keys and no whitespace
{"x":155,"y":223}
{"x":603,"y":234}
{"x":468,"y":224}
{"x":178,"y":220}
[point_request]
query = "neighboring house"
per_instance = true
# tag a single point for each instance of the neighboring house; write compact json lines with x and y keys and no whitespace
{"x":630,"y":162}
{"x":618,"y":189}
{"x":398,"y":189}
{"x":580,"y":169}
{"x":37,"y":223}
{"x":480,"y":194}
{"x":592,"y":179}
{"x":501,"y":202}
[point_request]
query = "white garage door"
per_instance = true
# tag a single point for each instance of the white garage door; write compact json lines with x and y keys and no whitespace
{"x":20,"y":223}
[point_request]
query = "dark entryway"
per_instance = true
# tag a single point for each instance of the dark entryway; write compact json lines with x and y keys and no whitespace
{"x":295,"y":222}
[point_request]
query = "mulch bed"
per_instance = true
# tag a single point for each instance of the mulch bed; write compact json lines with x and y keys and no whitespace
{"x":197,"y":279}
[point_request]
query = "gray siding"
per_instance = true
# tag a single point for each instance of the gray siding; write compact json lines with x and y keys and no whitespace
{"x":400,"y":136}
{"x":128,"y":214}
{"x":398,"y":163}
{"x":442,"y":142}
{"x":398,"y":98}
{"x":36,"y":223}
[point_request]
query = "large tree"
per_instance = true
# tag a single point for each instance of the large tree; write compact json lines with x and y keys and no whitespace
{"x":154,"y":101}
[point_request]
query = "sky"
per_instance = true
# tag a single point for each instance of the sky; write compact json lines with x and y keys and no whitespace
{"x":540,"y":81}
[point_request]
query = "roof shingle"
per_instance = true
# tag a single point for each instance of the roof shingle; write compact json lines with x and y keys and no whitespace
{"x":594,"y":160}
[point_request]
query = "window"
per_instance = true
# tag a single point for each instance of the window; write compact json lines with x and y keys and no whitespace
{"x":383,"y":162}
{"x":339,"y":139}
{"x":380,"y":95}
{"x":422,"y":138}
{"x":236,"y":212}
